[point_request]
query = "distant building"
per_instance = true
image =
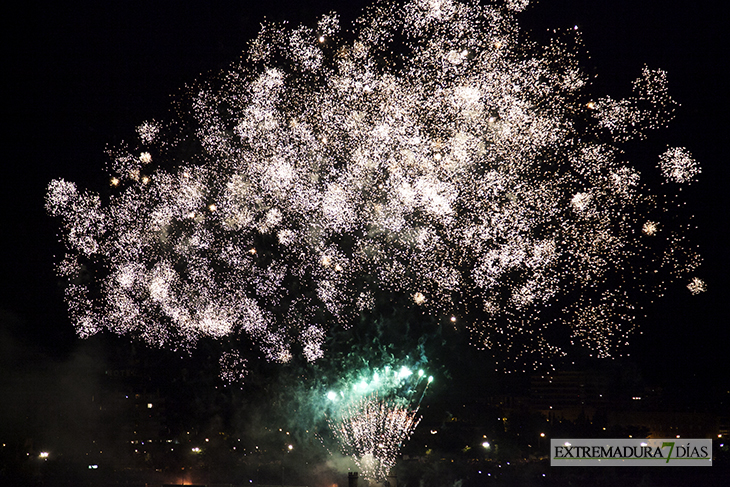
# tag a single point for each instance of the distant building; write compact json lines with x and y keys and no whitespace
{"x":570,"y":390}
{"x":668,"y":424}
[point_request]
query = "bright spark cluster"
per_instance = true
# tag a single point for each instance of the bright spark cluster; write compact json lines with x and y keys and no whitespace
{"x":375,"y":415}
{"x":697,"y":286}
{"x":678,"y":165}
{"x":373,"y":431}
{"x":431,"y":153}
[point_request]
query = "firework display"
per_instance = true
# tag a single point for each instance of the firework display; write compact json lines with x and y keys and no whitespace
{"x":373,"y":417}
{"x":429,"y":152}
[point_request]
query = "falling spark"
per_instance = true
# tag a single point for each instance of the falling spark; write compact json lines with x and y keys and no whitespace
{"x":232,"y":368}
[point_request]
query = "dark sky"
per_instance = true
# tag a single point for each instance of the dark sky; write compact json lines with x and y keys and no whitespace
{"x":79,"y":75}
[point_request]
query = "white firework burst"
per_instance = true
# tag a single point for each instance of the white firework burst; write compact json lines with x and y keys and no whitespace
{"x":331,"y":171}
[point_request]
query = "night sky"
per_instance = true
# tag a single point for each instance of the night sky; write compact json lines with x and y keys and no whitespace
{"x":80,"y":75}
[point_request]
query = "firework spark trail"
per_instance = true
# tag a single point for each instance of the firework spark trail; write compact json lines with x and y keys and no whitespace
{"x":375,"y":415}
{"x":372,"y":431}
{"x":462,"y":167}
